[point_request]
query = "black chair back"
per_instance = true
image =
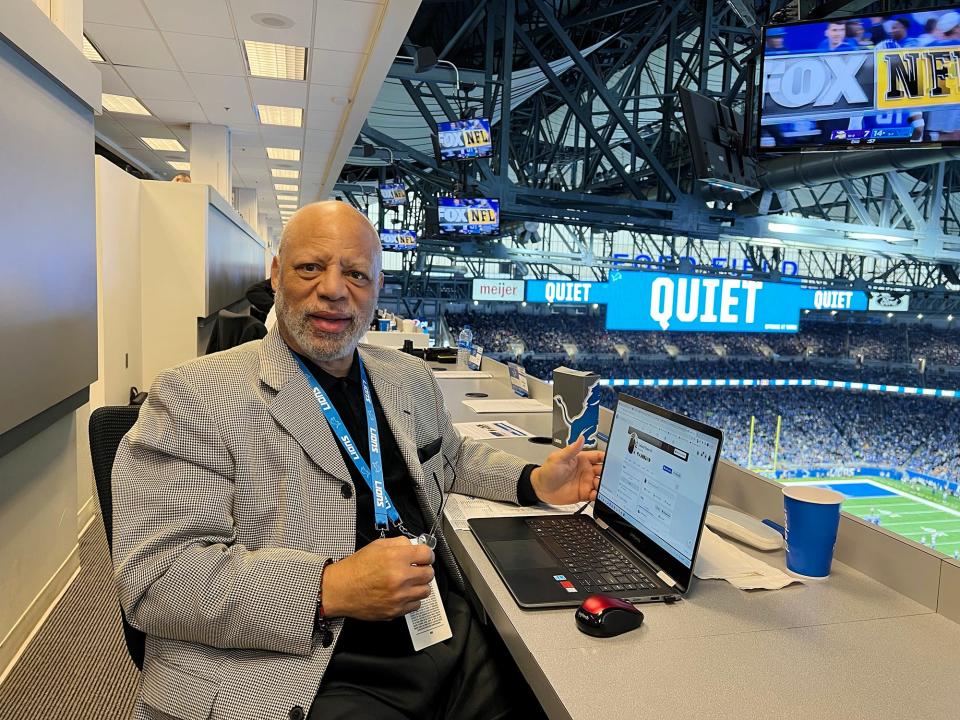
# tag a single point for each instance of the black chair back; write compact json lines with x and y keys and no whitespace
{"x":231,"y":329}
{"x":108,"y":425}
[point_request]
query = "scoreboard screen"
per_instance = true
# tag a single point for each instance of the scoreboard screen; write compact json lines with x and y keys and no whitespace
{"x":398,"y":240}
{"x":393,"y":194}
{"x":468,"y":216}
{"x":464,"y":139}
{"x":861,"y":82}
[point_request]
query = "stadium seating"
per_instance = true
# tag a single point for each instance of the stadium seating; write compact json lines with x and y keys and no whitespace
{"x":818,"y":426}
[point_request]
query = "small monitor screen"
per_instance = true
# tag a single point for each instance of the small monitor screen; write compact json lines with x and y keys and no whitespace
{"x":393,"y":194}
{"x":468,"y":216}
{"x":398,"y":240}
{"x":656,"y":476}
{"x":464,"y":139}
{"x":861,"y":82}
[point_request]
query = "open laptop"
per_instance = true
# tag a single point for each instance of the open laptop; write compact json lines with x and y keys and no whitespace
{"x":641,"y":543}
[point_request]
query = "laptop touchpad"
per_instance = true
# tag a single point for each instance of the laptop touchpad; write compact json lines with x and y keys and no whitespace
{"x":519,"y":554}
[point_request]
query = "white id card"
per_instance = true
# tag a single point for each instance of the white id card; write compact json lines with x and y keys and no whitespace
{"x":429,"y":625}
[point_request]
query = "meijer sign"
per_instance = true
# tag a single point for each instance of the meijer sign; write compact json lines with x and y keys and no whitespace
{"x":498,"y":290}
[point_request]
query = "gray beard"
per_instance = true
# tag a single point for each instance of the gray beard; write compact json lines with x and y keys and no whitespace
{"x":320,"y":347}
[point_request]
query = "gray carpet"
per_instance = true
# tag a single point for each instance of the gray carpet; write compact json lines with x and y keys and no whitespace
{"x":76,"y":667}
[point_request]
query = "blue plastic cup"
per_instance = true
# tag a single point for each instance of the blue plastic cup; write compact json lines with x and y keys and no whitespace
{"x":383,"y":325}
{"x":811,"y":519}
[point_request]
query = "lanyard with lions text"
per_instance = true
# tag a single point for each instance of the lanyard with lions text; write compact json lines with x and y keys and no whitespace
{"x":384,"y":511}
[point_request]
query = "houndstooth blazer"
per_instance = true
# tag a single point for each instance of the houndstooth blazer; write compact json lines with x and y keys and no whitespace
{"x":228,"y":496}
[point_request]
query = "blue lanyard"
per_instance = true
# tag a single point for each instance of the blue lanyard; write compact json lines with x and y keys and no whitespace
{"x":384,"y":511}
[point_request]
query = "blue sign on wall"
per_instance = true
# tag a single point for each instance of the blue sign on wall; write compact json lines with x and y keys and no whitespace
{"x":655,"y":301}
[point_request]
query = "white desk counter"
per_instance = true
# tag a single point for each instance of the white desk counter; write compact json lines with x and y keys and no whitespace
{"x":848,"y":647}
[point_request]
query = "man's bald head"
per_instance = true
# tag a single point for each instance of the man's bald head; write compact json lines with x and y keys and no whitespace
{"x":327,"y":276}
{"x":334,"y":219}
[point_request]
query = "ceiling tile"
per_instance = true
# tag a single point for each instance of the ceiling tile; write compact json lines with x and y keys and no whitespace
{"x":211,"y":55}
{"x":224,"y":98}
{"x":111,"y":81}
{"x":219,"y":89}
{"x":246,"y":138}
{"x":176,"y":111}
{"x":156,"y":84}
{"x":209,"y":17}
{"x":131,"y":46}
{"x":318,"y":141}
{"x":347,"y":26}
{"x":228,"y":114}
{"x":116,"y":12}
{"x":340,"y":69}
{"x":278,"y":136}
{"x":324,"y":120}
{"x":300,"y":12}
{"x":286,"y":93}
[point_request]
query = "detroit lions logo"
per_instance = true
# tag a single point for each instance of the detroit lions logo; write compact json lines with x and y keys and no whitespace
{"x":586,"y":422}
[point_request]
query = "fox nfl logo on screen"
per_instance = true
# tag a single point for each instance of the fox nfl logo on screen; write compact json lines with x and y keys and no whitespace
{"x":885,"y":80}
{"x":821,"y":87}
{"x":472,"y":216}
{"x":464,"y":139}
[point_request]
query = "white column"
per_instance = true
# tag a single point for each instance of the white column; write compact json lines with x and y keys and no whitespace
{"x":68,"y":16}
{"x":247,"y":206}
{"x":210,"y":161}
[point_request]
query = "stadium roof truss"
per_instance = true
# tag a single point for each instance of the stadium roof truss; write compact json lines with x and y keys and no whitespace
{"x":591,"y":159}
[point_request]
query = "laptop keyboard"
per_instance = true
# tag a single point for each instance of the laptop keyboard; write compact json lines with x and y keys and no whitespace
{"x":591,"y":561}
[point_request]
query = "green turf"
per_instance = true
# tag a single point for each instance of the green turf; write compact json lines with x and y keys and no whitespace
{"x":906,"y":515}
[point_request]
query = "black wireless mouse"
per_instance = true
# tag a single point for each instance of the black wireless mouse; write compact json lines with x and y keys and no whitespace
{"x":605,"y":616}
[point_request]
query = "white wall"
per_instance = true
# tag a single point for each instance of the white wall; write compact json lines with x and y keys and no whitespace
{"x":118,"y":314}
{"x":172,"y":271}
{"x":118,"y":285}
{"x":38,"y":514}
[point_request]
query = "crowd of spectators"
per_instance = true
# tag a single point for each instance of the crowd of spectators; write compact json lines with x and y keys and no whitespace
{"x":737,"y":368}
{"x":818,"y":426}
{"x":550,"y":333}
{"x":823,"y":427}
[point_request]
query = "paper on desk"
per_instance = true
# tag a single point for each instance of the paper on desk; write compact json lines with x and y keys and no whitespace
{"x":490,"y":430}
{"x":510,"y":405}
{"x":719,"y":559}
{"x":461,"y":508}
{"x":461,"y":374}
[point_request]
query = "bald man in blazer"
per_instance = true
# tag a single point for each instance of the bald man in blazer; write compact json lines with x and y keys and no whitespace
{"x":244,"y":544}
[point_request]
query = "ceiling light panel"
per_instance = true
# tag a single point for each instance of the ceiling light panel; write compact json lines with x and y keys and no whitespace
{"x":287,"y":207}
{"x":179,"y":165}
{"x":90,"y":52}
{"x":281,"y":173}
{"x":291,"y":198}
{"x":291,"y":154}
{"x":269,"y":60}
{"x":282,"y":187}
{"x":280,"y":115}
{"x":123,"y":104}
{"x":164,"y":144}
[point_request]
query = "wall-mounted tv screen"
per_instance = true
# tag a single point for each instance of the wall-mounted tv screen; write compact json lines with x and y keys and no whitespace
{"x":861,"y":82}
{"x":398,"y":240}
{"x":464,"y":139}
{"x":393,"y":194}
{"x":468,"y":216}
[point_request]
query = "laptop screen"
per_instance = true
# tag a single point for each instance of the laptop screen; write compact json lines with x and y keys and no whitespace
{"x":657,"y":475}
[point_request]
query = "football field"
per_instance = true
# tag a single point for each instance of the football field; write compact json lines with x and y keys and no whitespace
{"x":914,"y":512}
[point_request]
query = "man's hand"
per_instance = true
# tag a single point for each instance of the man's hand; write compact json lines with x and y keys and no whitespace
{"x":384,"y":580}
{"x":568,"y":475}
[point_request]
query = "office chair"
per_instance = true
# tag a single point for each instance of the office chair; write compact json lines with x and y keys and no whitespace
{"x":108,"y":425}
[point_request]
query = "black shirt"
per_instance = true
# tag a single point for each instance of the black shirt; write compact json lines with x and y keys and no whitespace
{"x":386,"y":637}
